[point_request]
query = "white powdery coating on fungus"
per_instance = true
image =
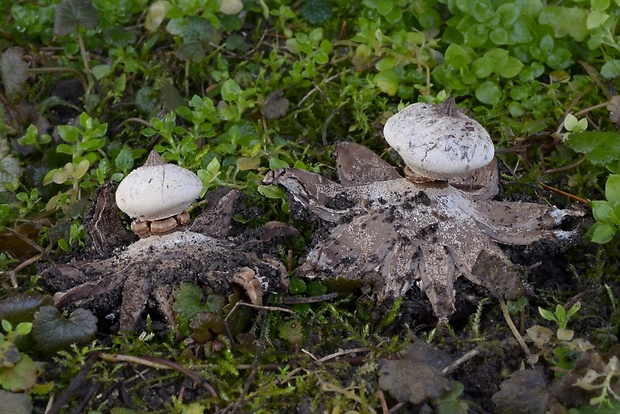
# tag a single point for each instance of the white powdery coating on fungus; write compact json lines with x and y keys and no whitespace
{"x":438,"y":144}
{"x":156,"y":192}
{"x":167,"y":241}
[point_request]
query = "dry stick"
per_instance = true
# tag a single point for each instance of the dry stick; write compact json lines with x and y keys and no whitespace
{"x":85,"y":60}
{"x":384,"y":406}
{"x":582,"y":112}
{"x":138,"y":120}
{"x":327,"y":121}
{"x":250,"y":380}
{"x":80,"y":77}
{"x":396,"y":408}
{"x":291,"y":300}
{"x":566,"y":167}
{"x":13,"y":272}
{"x":563,"y":193}
{"x":469,"y":355}
{"x":76,"y":383}
{"x":160,"y":363}
{"x":513,"y":328}
{"x":297,"y":370}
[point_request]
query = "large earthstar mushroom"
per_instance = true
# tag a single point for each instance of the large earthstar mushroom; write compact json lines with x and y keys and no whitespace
{"x":438,"y":142}
{"x":157,"y":196}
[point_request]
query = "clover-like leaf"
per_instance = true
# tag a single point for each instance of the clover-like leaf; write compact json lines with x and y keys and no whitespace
{"x":316,"y":11}
{"x":599,"y":147}
{"x":197,"y":33}
{"x":14,"y":73}
{"x":73,"y":13}
{"x":451,"y":403}
{"x":206,"y":325}
{"x":189,"y":300}
{"x":291,"y":331}
{"x":53,"y":331}
{"x":416,"y":377}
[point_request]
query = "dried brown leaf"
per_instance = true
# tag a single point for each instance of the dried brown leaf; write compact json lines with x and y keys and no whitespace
{"x":14,"y":72}
{"x":275,"y":105}
{"x":416,"y":377}
{"x":525,"y":392}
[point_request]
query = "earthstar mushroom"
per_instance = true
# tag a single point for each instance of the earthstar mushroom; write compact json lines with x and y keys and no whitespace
{"x":157,"y":196}
{"x":438,"y":142}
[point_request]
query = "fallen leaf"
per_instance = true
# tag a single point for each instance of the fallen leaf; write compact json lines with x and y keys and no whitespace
{"x":275,"y":105}
{"x":415,"y":377}
{"x":525,"y":392}
{"x":14,"y":72}
{"x":15,"y":403}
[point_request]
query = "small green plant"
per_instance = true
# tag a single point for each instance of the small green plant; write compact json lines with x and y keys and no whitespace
{"x":560,"y":347}
{"x":609,"y":386}
{"x":18,"y":372}
{"x":83,"y":144}
{"x":561,"y":317}
{"x":606,"y":212}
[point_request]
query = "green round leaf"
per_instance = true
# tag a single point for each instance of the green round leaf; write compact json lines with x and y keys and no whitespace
{"x":477,"y":35}
{"x":611,"y":69}
{"x":124,"y":159}
{"x":53,"y":331}
{"x":482,"y":67}
{"x":316,"y":11}
{"x":499,"y":36}
{"x":71,"y":13}
{"x":612,"y":189}
{"x":489,"y":93}
{"x":508,"y":13}
{"x":600,"y":4}
{"x":512,"y":68}
{"x":230,"y":90}
{"x":387,"y":81}
{"x":602,"y":211}
{"x":601,"y":233}
{"x":519,"y":32}
{"x":24,"y":328}
{"x":271,"y":191}
{"x":480,"y":10}
{"x":385,"y":6}
{"x":297,"y":286}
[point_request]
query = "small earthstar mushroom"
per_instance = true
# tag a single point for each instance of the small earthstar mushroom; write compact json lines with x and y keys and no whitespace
{"x":438,"y":142}
{"x":157,"y":196}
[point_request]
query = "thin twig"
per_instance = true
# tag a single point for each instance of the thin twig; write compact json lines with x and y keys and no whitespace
{"x":76,"y":383}
{"x":291,"y":300}
{"x":565,"y":167}
{"x":160,"y":363}
{"x":250,"y":379}
{"x":13,"y":272}
{"x":469,"y":355}
{"x":563,"y":193}
{"x":513,"y":328}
